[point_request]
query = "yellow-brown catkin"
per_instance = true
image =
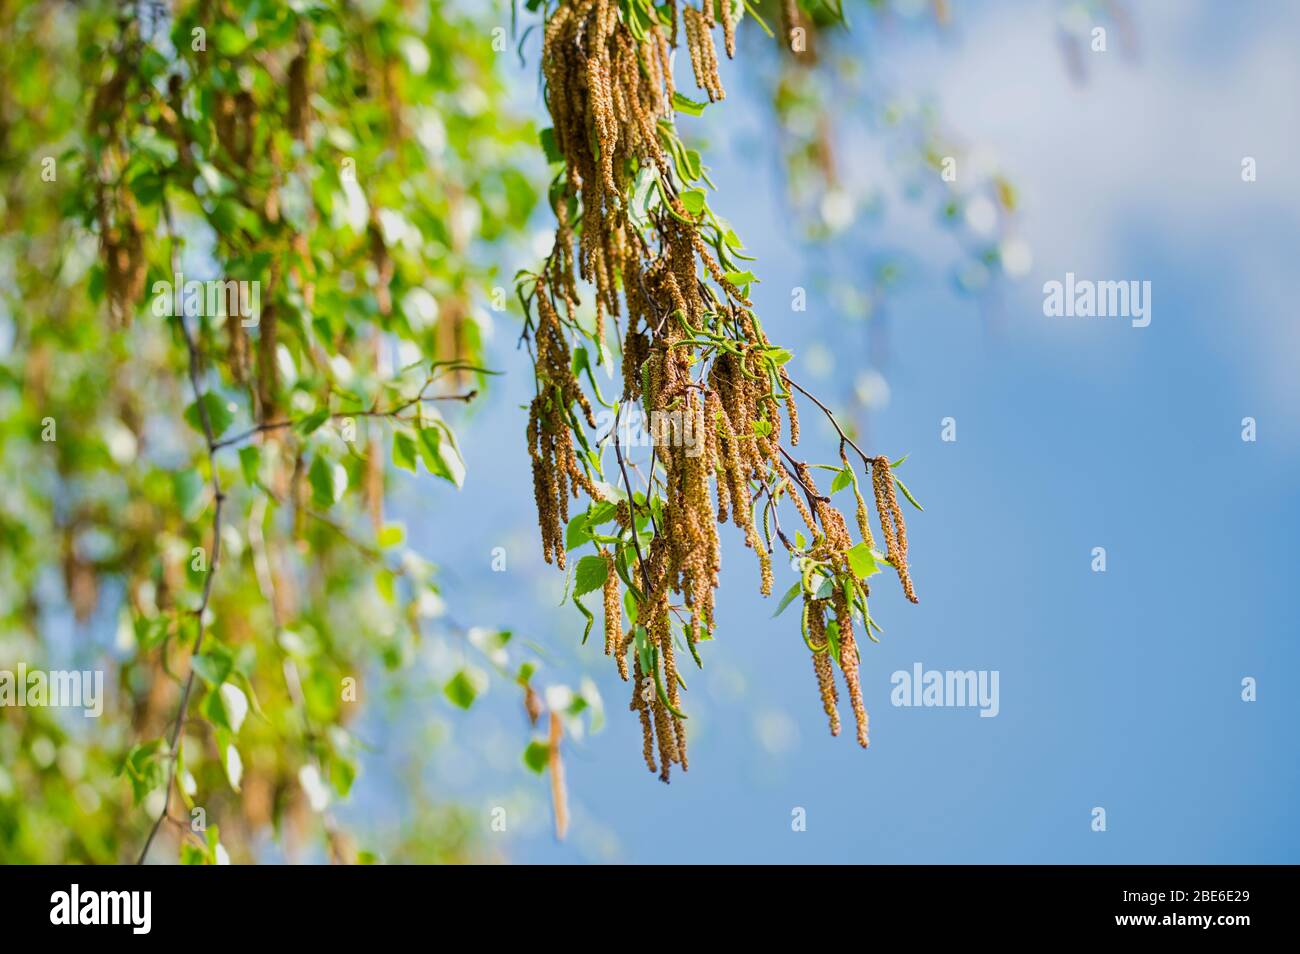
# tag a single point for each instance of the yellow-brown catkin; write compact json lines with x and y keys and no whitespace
{"x":639,"y":705}
{"x":864,"y":525}
{"x":849,"y":663}
{"x":674,"y":696}
{"x":620,"y":654}
{"x":791,"y":410}
{"x":613,"y":606}
{"x":532,"y":704}
{"x":891,"y":522}
{"x":665,"y":737}
{"x":822,"y":664}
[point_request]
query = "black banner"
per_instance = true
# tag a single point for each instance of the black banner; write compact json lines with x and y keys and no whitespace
{"x":333,"y":904}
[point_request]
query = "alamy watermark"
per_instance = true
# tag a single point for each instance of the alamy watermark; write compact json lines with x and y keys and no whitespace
{"x":132,"y":908}
{"x":57,"y":688}
{"x":947,"y":688}
{"x":213,"y":298}
{"x":677,"y":428}
{"x":1084,"y":298}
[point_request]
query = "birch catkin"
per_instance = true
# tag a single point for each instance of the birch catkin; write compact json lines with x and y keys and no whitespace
{"x":636,"y":247}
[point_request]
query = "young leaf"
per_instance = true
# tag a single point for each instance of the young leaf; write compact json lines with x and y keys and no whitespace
{"x":537,"y":756}
{"x":547,"y":138}
{"x":590,"y":575}
{"x":862,"y":562}
{"x":790,"y":594}
{"x":464,"y":687}
{"x":250,"y":462}
{"x":219,"y":414}
{"x":328,"y":482}
{"x":312,"y":422}
{"x":576,"y":533}
{"x":688,"y":106}
{"x":404,"y":451}
{"x":693,"y":200}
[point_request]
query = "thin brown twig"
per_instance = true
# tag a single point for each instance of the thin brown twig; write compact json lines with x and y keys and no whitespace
{"x":392,"y":412}
{"x":631,"y":506}
{"x":834,"y":423}
{"x":173,"y":747}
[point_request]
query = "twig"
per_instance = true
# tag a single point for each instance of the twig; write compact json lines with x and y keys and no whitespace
{"x":631,"y":506}
{"x":836,"y":424}
{"x":219,"y":495}
{"x":812,"y":494}
{"x":337,"y":415}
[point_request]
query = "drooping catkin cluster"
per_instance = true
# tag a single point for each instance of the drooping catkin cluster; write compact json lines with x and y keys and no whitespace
{"x":830,"y":549}
{"x":695,"y":361}
{"x":704,"y":55}
{"x":891,"y":522}
{"x":556,"y":472}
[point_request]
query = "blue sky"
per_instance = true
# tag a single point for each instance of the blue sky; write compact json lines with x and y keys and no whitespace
{"x":1119,"y":690}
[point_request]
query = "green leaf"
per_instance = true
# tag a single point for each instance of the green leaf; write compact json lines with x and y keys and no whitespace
{"x":214,"y":710}
{"x":231,"y":40}
{"x":587,"y":615}
{"x":862,"y":562}
{"x":187,"y":487}
{"x":692,"y":162}
{"x":343,"y":772}
{"x":312,"y":422}
{"x":833,"y":638}
{"x":547,"y":139}
{"x":842,"y":480}
{"x":328,"y":481}
{"x":213,"y":666}
{"x":193,"y":855}
{"x":537,"y":756}
{"x":442,"y":460}
{"x":250,"y":463}
{"x":786,"y":600}
{"x":693,"y":200}
{"x":391,"y":535}
{"x":690,"y":107}
{"x":464,"y":687}
{"x":590,"y":575}
{"x":220,"y":414}
{"x":386,"y":583}
{"x":576,"y":533}
{"x":643,"y":647}
{"x":404,"y":451}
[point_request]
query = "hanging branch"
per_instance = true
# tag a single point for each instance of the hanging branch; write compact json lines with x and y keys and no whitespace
{"x":219,"y":496}
{"x":635,"y":234}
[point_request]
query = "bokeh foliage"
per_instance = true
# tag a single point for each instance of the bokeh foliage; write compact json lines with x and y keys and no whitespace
{"x":362,"y":162}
